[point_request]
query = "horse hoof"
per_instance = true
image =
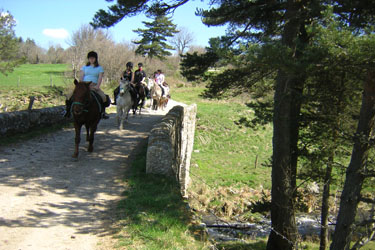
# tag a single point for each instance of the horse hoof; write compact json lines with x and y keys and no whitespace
{"x":90,"y":149}
{"x":75,"y":156}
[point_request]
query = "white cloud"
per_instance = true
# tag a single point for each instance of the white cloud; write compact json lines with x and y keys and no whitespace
{"x":56,"y":33}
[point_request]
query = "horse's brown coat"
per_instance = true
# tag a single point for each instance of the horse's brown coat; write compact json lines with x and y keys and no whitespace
{"x":85,"y":112}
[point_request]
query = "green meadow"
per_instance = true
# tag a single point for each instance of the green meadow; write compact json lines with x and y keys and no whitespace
{"x":46,"y":82}
{"x":34,"y":77}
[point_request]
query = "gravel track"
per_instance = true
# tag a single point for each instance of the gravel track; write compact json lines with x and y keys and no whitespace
{"x":48,"y":200}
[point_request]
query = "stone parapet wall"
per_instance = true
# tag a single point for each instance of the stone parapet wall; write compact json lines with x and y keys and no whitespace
{"x":22,"y":121}
{"x":170,"y":145}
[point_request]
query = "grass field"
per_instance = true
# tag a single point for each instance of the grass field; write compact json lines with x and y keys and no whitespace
{"x":229,"y":166}
{"x":46,"y":82}
{"x":34,"y":77}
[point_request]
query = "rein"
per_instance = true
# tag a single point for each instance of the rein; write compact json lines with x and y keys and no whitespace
{"x":78,"y":103}
{"x":97,"y":101}
{"x":86,"y":105}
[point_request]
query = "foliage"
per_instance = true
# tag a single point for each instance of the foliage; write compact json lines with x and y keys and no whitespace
{"x":154,"y":36}
{"x":116,"y":12}
{"x":8,"y":43}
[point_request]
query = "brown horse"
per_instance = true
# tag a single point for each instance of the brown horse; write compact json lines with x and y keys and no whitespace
{"x":140,"y":100}
{"x":86,"y":111}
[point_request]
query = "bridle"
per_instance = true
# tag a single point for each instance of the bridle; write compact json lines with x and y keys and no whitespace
{"x":125,"y":87}
{"x":84,"y":105}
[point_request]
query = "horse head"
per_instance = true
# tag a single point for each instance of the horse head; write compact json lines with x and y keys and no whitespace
{"x":81,"y":97}
{"x":150,"y":83}
{"x":124,"y":86}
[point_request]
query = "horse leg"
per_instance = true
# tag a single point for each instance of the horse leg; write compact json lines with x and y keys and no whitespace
{"x":91,"y":138}
{"x":77,"y":139}
{"x":118,"y":115}
{"x":87,"y":132}
{"x":122,"y":114}
{"x":127,"y":113}
{"x":140,"y":106}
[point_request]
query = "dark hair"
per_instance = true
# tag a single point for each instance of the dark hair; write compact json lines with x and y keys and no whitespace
{"x":95,"y":55}
{"x":140,"y":64}
{"x":159,"y":70}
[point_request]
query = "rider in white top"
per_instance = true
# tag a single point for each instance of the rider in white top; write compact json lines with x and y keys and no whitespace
{"x":160,"y":79}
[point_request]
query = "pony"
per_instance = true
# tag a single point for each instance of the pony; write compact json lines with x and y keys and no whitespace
{"x":124,"y":102}
{"x":86,"y":110}
{"x":158,"y":100}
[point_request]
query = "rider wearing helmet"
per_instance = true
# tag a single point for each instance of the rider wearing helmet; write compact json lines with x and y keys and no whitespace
{"x":128,"y":75}
{"x":139,"y":78}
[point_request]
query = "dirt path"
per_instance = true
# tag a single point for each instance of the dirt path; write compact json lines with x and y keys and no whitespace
{"x":48,"y":200}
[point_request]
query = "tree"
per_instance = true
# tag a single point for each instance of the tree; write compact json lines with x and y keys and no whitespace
{"x":287,"y":20}
{"x":9,"y":43}
{"x":153,"y":42}
{"x":360,"y":167}
{"x":55,"y":54}
{"x":31,"y":51}
{"x":112,"y":56}
{"x":182,"y":40}
{"x":328,"y":109}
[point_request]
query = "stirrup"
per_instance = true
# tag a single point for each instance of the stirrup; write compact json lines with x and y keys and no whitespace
{"x":66,"y":114}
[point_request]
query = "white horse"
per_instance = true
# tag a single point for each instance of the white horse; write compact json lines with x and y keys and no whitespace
{"x":150,"y":84}
{"x":124,"y":103}
{"x":159,"y":101}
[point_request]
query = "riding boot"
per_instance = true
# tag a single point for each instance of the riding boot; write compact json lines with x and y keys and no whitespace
{"x":115,"y":94}
{"x":104,"y":115}
{"x":68,"y":106}
{"x":106,"y":104}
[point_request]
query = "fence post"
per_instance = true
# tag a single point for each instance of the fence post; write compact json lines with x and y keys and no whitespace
{"x":18,"y":83}
{"x":31,"y":102}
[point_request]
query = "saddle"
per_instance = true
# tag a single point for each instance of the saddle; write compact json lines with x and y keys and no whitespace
{"x":100,"y":102}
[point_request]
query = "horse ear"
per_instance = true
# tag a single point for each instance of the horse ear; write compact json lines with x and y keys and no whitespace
{"x":88,"y":83}
{"x":75,"y":81}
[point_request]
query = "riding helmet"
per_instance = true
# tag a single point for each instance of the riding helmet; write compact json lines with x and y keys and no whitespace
{"x":129,"y":64}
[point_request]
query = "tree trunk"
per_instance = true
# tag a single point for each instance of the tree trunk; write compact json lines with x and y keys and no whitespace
{"x":284,"y":232}
{"x":325,"y":204}
{"x":285,"y":137}
{"x":335,"y":109}
{"x":354,"y":174}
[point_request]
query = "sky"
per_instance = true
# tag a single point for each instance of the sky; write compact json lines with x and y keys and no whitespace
{"x":51,"y":22}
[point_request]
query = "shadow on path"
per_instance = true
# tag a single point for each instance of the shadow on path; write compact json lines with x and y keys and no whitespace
{"x":43,"y":187}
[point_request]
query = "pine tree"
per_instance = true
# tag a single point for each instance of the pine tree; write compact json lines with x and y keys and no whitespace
{"x":9,"y":43}
{"x":154,"y":36}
